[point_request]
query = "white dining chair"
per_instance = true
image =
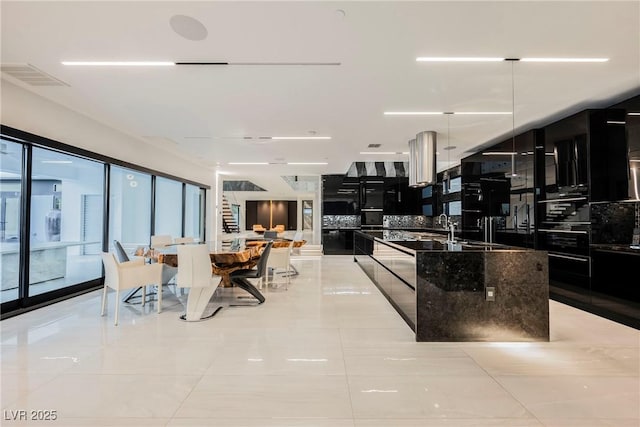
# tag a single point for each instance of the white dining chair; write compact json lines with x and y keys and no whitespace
{"x":195,"y":272}
{"x":280,"y":258}
{"x":183,"y":240}
{"x":161,"y":240}
{"x":129,"y":275}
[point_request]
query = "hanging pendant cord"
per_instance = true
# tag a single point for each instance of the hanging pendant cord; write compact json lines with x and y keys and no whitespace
{"x":513,"y":120}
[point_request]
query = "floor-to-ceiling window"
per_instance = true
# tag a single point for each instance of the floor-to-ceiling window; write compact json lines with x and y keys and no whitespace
{"x":194,"y":212}
{"x":10,"y":193}
{"x":53,"y":211}
{"x":168,"y":207}
{"x":65,"y":233}
{"x":129,"y":208}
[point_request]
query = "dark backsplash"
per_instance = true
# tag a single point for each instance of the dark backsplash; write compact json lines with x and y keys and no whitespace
{"x":613,"y":223}
{"x":402,"y":222}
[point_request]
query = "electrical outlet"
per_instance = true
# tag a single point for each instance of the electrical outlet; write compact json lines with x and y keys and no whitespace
{"x":490,"y":293}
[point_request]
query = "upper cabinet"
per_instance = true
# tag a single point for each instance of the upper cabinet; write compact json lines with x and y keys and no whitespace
{"x":400,"y":199}
{"x":632,"y":126}
{"x":340,"y":195}
{"x":587,"y":155}
{"x":609,"y":155}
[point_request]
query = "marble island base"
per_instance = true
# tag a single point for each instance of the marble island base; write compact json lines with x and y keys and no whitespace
{"x":467,"y":293}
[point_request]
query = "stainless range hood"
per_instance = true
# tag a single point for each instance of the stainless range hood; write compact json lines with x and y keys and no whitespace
{"x":422,"y":159}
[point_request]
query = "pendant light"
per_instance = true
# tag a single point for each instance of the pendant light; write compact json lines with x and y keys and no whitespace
{"x":425,"y":155}
{"x":413,"y":164}
{"x":513,"y":121}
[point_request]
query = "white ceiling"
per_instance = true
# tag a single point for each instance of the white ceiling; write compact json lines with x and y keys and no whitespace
{"x":204,"y":111}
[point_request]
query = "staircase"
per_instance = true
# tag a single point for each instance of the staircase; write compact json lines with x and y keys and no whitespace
{"x":229,"y":224}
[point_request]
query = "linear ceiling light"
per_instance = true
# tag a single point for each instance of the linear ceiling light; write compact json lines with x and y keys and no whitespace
{"x":57,"y":162}
{"x":438,"y":113}
{"x":564,"y":59}
{"x":457,"y":59}
{"x":299,"y":137}
{"x":413,"y":113}
{"x":120,"y":63}
{"x":384,"y":153}
{"x":489,"y":113}
{"x":307,"y":163}
{"x":499,"y":153}
{"x":248,"y":163}
{"x":490,"y":59}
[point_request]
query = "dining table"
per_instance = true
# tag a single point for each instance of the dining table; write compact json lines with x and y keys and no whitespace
{"x":223,"y":263}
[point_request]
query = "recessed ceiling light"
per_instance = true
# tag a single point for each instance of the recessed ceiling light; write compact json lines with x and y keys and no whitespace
{"x":120,"y":63}
{"x":564,"y":59}
{"x":457,"y":59}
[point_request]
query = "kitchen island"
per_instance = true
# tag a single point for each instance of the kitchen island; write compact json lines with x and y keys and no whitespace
{"x":462,"y":291}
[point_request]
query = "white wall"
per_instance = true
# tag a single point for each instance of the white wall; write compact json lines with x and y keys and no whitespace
{"x":29,"y":112}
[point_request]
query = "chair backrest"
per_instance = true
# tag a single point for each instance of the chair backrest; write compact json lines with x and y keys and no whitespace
{"x":261,"y":267}
{"x":235,"y":245}
{"x":161,"y":240}
{"x":279,"y":228}
{"x":111,"y":277}
{"x":194,"y":266}
{"x":120,"y":252}
{"x":182,"y":240}
{"x":270,"y":234}
{"x":280,"y":257}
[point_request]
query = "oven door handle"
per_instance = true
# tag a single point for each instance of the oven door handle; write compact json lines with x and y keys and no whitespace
{"x":572,"y":258}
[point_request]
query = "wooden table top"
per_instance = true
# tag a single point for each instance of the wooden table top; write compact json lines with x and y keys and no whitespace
{"x":220,"y":260}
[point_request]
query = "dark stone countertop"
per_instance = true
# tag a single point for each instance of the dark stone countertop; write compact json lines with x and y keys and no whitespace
{"x":618,"y":248}
{"x":423,"y":241}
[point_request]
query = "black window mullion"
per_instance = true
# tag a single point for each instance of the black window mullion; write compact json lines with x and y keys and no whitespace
{"x":184,"y":208}
{"x":153,"y":206}
{"x":106,"y":202}
{"x":25,"y":223}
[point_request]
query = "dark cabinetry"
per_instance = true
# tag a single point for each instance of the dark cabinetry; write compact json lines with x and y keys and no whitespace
{"x":609,"y":160}
{"x":337,"y":242}
{"x":400,"y":199}
{"x":498,"y":192}
{"x":340,"y":195}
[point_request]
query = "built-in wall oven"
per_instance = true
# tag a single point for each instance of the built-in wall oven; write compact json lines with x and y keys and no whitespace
{"x":565,"y":232}
{"x":371,"y":218}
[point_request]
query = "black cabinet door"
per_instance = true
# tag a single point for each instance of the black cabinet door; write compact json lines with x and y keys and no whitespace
{"x":400,"y":199}
{"x":609,"y":155}
{"x":390,"y":204}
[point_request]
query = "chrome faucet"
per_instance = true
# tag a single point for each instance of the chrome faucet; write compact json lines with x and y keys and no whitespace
{"x":446,"y":220}
{"x":448,"y":225}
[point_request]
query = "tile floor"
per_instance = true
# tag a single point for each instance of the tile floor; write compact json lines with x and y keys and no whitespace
{"x":329,"y":351}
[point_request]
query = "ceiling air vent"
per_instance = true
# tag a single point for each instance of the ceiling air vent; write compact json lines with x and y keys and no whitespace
{"x":374,"y":145}
{"x":31,"y":75}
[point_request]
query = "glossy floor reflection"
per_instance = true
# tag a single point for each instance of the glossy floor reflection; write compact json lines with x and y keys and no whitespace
{"x":329,"y":351}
